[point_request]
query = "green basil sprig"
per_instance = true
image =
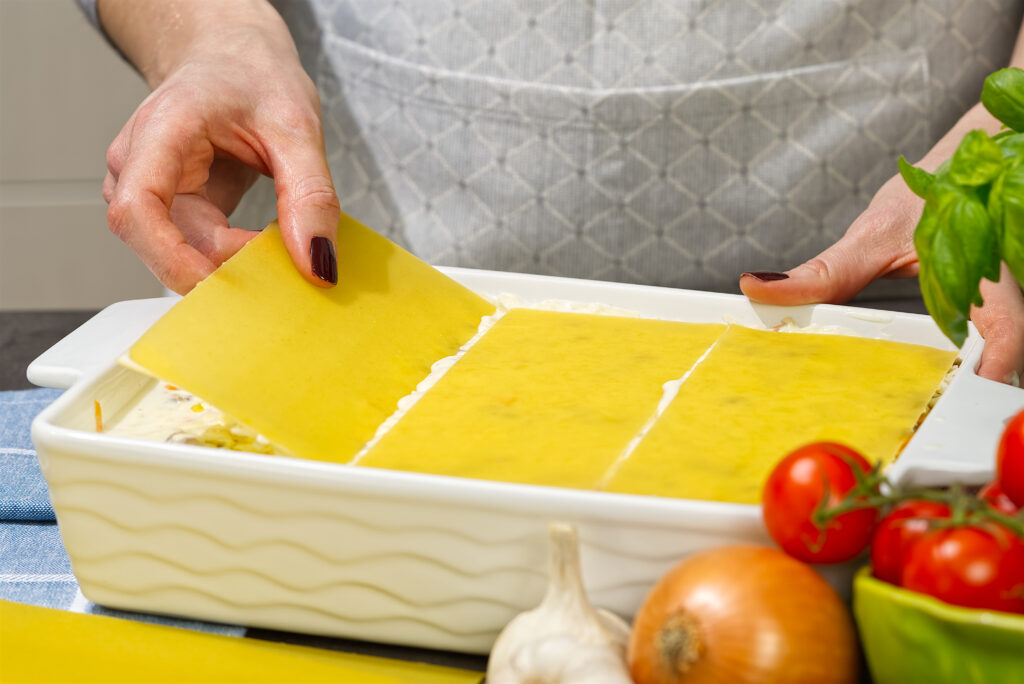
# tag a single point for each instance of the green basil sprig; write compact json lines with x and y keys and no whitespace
{"x":973,"y":214}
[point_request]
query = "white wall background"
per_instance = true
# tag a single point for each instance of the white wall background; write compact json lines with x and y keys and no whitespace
{"x":64,"y":95}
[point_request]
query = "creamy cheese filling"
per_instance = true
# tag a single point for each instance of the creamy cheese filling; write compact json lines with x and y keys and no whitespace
{"x":170,"y":414}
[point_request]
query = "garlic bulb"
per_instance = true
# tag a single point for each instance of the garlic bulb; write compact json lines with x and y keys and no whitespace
{"x":565,"y":640}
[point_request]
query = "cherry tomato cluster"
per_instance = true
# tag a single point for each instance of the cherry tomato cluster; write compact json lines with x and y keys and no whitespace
{"x":824,"y":503}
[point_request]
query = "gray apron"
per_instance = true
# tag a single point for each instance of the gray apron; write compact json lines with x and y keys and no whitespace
{"x":668,"y":142}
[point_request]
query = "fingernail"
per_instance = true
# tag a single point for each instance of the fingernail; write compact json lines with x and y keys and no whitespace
{"x":1012,"y":378}
{"x":325,"y":263}
{"x":766,"y":275}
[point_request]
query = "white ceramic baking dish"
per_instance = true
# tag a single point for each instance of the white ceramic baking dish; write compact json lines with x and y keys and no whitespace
{"x":398,"y":557}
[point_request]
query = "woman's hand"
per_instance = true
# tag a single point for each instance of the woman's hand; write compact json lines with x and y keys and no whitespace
{"x":879,"y":244}
{"x":230,"y":101}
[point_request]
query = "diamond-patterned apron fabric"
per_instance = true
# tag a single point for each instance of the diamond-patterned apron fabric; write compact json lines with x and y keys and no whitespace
{"x":670,"y":142}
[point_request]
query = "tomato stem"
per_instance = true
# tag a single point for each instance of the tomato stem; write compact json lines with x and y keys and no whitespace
{"x":868,"y":493}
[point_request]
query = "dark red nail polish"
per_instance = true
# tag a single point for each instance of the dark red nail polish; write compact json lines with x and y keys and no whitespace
{"x":767,"y":275}
{"x":325,"y":263}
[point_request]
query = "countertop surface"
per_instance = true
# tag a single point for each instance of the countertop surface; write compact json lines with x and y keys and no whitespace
{"x":24,"y":335}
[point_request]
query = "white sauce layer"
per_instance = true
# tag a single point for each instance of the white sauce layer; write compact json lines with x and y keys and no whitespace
{"x":169,"y":414}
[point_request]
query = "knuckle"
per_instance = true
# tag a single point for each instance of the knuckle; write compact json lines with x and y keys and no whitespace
{"x":299,"y":122}
{"x":819,"y":267}
{"x":108,"y":188}
{"x":310,"y":91}
{"x":873,"y":224}
{"x":115,"y":156}
{"x":887,"y":225}
{"x":871,"y":221}
{"x":172,"y":276}
{"x":119,"y":217}
{"x":317,"y":191}
{"x":152,"y":107}
{"x":997,"y":322}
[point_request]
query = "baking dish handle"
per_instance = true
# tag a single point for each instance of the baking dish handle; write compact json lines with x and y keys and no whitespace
{"x":959,"y":440}
{"x":97,"y":342}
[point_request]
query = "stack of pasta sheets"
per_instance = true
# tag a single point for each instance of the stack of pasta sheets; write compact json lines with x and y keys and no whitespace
{"x":576,"y":400}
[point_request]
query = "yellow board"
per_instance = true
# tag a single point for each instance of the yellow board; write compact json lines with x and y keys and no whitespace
{"x":543,"y":398}
{"x":314,"y":370}
{"x":47,"y":645}
{"x":760,"y":394}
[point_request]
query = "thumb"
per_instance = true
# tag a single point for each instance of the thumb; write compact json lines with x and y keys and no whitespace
{"x":308,"y":211}
{"x":1001,"y":323}
{"x":873,"y":247}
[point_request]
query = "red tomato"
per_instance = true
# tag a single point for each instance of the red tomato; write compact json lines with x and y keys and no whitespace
{"x":974,"y":566}
{"x":904,"y":525}
{"x":796,"y":488}
{"x":995,"y":497}
{"x":1010,"y":460}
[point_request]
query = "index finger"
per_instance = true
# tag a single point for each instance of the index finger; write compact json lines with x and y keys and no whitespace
{"x":139,"y":211}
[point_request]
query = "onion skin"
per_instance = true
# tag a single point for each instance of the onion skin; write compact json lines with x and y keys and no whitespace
{"x":743,"y":614}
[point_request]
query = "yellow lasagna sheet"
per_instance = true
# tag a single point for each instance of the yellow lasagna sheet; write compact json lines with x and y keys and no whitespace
{"x":543,"y":398}
{"x":760,"y":394}
{"x":314,"y":370}
{"x":47,"y":645}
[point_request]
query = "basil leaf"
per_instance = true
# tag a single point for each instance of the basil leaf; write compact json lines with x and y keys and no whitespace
{"x":918,"y":180}
{"x":996,"y":207}
{"x":952,"y":271}
{"x":977,"y":160}
{"x":1008,"y":199}
{"x":1003,"y":96}
{"x":957,"y":245}
{"x":952,"y":321}
{"x":1012,"y":144}
{"x":978,"y":239}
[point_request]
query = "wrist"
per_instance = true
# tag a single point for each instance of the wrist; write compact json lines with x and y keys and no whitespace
{"x":977,"y":117}
{"x":159,"y":37}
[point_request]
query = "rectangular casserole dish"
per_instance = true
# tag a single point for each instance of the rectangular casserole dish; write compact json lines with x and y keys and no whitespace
{"x":407,"y":558}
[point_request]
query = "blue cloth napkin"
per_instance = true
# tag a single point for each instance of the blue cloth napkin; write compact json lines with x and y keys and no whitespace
{"x":34,"y":567}
{"x":23,"y":493}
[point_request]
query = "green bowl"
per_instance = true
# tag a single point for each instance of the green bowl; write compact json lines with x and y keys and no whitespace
{"x":910,"y":637}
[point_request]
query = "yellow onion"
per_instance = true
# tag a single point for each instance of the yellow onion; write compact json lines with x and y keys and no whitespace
{"x":739,"y":614}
